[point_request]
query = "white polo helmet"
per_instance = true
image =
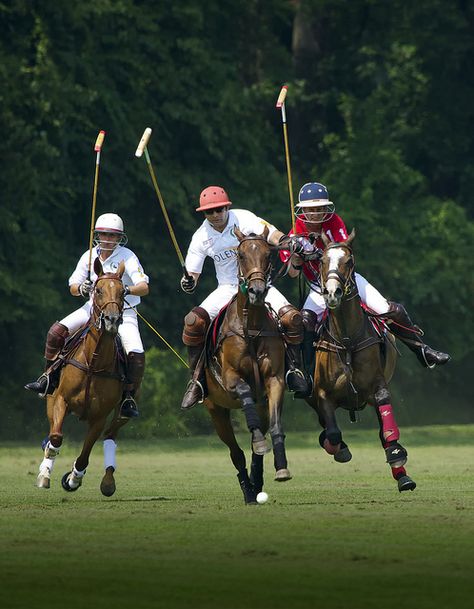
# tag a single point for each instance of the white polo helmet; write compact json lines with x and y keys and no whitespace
{"x":109,"y":223}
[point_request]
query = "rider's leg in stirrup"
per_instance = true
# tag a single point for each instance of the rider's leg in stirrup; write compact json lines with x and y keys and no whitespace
{"x":402,"y":326}
{"x":55,"y":340}
{"x":135,"y":371}
{"x":296,"y":379}
{"x":196,"y":324}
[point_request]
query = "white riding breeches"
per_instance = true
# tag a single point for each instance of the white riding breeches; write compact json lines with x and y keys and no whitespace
{"x":369,"y":295}
{"x":223,"y":293}
{"x":128,"y":329}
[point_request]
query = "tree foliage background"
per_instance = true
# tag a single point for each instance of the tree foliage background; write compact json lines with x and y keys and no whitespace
{"x":380,"y":108}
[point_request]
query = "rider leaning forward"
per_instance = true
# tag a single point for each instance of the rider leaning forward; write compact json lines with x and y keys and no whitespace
{"x":216,"y":238}
{"x":109,"y":241}
{"x":316,"y":214}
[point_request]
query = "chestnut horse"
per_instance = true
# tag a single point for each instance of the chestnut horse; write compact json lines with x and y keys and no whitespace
{"x":90,"y":384}
{"x":247,"y":369}
{"x":354,"y":363}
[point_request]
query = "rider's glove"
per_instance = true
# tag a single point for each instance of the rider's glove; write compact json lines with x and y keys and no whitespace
{"x":188,"y":284}
{"x":85,"y":288}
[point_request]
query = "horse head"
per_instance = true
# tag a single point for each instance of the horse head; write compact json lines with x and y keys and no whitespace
{"x":108,"y":298}
{"x":253,"y":256}
{"x":337,"y":270}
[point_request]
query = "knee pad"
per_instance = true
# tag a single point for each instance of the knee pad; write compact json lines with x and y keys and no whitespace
{"x":292,"y":322}
{"x":196,"y":323}
{"x":55,"y":340}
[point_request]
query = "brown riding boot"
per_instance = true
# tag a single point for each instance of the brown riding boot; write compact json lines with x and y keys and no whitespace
{"x":196,"y":323}
{"x":409,"y":333}
{"x":296,"y":379}
{"x":135,"y":371}
{"x":194,"y":393}
{"x":55,"y":340}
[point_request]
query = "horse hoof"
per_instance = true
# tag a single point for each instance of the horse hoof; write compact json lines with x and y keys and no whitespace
{"x":405,"y":483}
{"x":65,"y":483}
{"x":43,"y":480}
{"x":343,"y":455}
{"x":282,"y":475}
{"x":259,"y":443}
{"x":107,"y":486}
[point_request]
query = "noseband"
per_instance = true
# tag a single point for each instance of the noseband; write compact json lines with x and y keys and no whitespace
{"x":255,"y":273}
{"x":97,"y":311}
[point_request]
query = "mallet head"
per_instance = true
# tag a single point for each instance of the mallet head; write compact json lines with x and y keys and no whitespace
{"x":143,"y":142}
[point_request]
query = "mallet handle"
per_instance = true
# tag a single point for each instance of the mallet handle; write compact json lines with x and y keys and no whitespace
{"x":143,"y":142}
{"x":97,"y":147}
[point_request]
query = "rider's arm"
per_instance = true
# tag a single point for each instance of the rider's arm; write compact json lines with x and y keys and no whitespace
{"x":295,"y":264}
{"x":74,"y":289}
{"x":140,"y":289}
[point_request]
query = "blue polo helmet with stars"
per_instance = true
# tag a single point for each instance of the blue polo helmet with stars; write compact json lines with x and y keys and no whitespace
{"x":314,"y":204}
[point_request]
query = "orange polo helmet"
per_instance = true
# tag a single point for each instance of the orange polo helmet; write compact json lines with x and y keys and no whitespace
{"x":213,"y":196}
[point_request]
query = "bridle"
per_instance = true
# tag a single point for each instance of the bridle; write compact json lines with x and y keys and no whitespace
{"x":347,"y":280}
{"x":98,"y":311}
{"x":255,"y":273}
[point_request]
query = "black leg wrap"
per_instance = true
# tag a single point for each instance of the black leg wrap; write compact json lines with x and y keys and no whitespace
{"x":250,"y":496}
{"x":256,"y":472}
{"x":249,"y":408}
{"x":279,"y":456}
{"x":334,"y":437}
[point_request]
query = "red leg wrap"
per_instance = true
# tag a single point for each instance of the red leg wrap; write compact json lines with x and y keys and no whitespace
{"x":398,"y":472}
{"x":390,"y":429}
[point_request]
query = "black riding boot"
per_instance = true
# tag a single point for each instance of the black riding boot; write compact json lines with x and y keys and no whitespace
{"x":48,"y":381}
{"x":296,"y":379}
{"x":41,"y":385}
{"x":135,"y":371}
{"x":409,"y":333}
{"x":194,"y":393}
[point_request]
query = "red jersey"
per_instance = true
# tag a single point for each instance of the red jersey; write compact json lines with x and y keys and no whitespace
{"x":335,"y":230}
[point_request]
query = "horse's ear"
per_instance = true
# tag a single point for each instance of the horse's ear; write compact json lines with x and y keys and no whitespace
{"x":325,"y":239}
{"x":266,"y":230}
{"x":121,"y":269}
{"x":98,"y":270}
{"x":351,"y":237}
{"x":240,"y":235}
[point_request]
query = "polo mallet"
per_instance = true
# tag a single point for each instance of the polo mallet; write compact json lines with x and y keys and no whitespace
{"x":142,"y":148}
{"x":98,"y":145}
{"x":281,"y":104}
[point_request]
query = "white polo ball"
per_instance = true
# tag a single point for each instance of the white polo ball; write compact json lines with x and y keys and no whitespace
{"x":262,"y":498}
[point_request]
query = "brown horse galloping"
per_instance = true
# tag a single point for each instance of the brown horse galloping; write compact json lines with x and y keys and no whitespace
{"x":354,"y":364}
{"x":247,"y":370}
{"x":90,"y":384}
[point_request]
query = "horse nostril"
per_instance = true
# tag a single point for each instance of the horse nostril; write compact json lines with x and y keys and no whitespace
{"x":338,"y":292}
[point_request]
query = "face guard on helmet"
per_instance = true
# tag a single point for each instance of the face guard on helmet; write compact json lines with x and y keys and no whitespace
{"x":313,"y":204}
{"x":108,"y":232}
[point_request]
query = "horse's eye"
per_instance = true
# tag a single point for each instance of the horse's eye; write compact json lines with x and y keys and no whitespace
{"x":98,"y":291}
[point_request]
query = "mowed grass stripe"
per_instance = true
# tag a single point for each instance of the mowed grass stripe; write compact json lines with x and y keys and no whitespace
{"x":177,"y":534}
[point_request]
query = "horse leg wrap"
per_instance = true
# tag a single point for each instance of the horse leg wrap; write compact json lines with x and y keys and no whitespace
{"x":109,"y":453}
{"x":256,"y":472}
{"x":50,"y":452}
{"x":248,"y":406}
{"x":247,"y":488}
{"x":398,"y":472}
{"x":279,"y":454}
{"x":390,"y":431}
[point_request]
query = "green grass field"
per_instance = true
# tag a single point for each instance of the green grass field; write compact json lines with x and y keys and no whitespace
{"x":177,"y":534}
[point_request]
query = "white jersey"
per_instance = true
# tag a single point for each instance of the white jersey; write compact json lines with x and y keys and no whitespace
{"x":222,"y":247}
{"x":133,"y":271}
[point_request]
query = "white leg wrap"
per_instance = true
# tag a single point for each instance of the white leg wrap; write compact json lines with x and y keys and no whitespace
{"x":109,"y":454}
{"x":50,"y":452}
{"x":46,"y":463}
{"x":75,"y":477}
